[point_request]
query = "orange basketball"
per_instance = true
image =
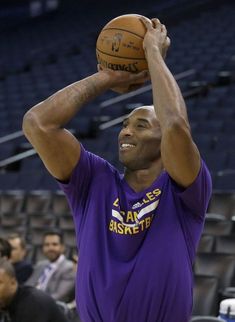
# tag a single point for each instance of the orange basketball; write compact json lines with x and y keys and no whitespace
{"x":120,"y":44}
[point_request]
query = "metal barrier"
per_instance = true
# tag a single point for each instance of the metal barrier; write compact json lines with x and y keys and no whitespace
{"x":103,"y":126}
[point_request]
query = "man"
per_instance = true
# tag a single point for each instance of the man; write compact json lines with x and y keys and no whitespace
{"x":23,"y":267}
{"x":55,"y":275}
{"x":24,"y":303}
{"x":136,"y":233}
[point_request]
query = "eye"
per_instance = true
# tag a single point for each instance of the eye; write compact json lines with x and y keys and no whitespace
{"x":140,"y":125}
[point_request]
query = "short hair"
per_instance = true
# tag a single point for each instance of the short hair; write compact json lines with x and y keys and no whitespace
{"x":17,"y":235}
{"x":5,"y":248}
{"x":7,"y":267}
{"x":54,"y":232}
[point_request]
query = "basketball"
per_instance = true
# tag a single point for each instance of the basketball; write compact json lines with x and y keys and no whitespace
{"x":120,"y":44}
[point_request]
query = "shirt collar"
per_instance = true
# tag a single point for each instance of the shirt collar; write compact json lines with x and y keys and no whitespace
{"x":59,"y":260}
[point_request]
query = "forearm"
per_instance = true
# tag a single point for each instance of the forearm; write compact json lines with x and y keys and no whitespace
{"x":61,"y":107}
{"x":168,"y":101}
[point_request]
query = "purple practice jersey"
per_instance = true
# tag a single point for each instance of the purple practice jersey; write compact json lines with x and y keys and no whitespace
{"x":136,"y":249}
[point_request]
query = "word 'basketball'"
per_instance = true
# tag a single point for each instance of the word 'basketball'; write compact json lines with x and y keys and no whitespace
{"x":120,"y":44}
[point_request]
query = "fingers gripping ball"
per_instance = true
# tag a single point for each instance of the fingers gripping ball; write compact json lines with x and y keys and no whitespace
{"x":120,"y":44}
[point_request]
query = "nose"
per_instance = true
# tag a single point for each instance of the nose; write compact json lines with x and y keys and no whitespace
{"x":126,"y":131}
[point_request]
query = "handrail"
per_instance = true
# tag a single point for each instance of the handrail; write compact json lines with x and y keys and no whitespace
{"x":108,"y":124}
{"x":102,"y":126}
{"x":17,"y":157}
{"x":10,"y":137}
{"x":142,"y":90}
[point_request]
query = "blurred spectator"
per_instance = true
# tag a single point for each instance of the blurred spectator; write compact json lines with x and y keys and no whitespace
{"x":5,"y":248}
{"x":72,"y":305}
{"x":54,"y":275}
{"x":23,"y":267}
{"x":24,"y":303}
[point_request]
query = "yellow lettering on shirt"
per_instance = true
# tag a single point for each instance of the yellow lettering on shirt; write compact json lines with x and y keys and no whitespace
{"x":157,"y":192}
{"x":150,"y":196}
{"x":116,"y":202}
{"x":121,"y":229}
{"x":131,"y":216}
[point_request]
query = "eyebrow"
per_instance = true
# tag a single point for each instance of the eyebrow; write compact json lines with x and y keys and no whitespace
{"x":138,"y":119}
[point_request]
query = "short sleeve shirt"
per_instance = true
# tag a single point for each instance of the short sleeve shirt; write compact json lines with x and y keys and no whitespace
{"x":136,"y":249}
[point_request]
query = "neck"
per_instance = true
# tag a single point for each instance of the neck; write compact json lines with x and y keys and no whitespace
{"x":141,"y":179}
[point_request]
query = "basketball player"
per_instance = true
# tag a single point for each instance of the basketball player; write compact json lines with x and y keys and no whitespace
{"x":136,"y":233}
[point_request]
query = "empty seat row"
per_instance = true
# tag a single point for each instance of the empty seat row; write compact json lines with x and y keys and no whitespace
{"x":36,"y":201}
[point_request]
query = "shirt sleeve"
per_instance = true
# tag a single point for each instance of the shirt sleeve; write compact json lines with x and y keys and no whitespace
{"x":196,"y":197}
{"x":192,"y":204}
{"x":87,"y":169}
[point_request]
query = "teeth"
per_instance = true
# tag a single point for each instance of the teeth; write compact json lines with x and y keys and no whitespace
{"x":126,"y":145}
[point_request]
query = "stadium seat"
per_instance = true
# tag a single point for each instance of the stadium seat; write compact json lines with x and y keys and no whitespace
{"x":59,"y":204}
{"x":205,"y":295}
{"x":225,"y":244}
{"x":217,"y":225}
{"x":66,"y":222}
{"x":219,"y":265}
{"x":11,"y":201}
{"x":206,"y":319}
{"x":222,"y":203}
{"x":206,"y":244}
{"x":41,"y":221}
{"x":37,"y":201}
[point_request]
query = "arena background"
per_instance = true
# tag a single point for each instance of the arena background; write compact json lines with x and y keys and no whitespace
{"x":48,"y":44}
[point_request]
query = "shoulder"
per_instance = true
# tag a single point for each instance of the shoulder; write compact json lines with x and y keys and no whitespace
{"x":90,"y":167}
{"x":23,"y":265}
{"x":67,"y":263}
{"x":88,"y":158}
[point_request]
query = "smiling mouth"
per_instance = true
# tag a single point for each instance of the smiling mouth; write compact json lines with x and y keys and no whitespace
{"x":126,"y":146}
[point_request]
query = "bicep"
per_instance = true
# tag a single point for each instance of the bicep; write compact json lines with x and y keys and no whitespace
{"x":58,"y":149}
{"x":180,"y":155}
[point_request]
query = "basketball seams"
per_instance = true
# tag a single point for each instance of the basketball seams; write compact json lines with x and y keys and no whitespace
{"x":104,"y":53}
{"x":120,"y":29}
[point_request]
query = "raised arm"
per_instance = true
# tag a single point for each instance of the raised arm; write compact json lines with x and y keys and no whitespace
{"x":43,"y":124}
{"x":179,"y":154}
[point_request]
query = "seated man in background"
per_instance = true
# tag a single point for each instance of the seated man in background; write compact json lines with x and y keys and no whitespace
{"x":24,"y":303}
{"x":23,"y":268}
{"x":55,"y":275}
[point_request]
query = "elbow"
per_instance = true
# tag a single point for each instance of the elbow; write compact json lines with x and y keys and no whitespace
{"x":30,"y":124}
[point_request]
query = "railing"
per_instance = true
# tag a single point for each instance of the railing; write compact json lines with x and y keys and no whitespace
{"x":142,"y":90}
{"x":103,"y":126}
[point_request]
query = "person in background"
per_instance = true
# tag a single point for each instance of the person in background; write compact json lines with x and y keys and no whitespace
{"x":23,"y":267}
{"x":21,"y":303}
{"x":72,"y":306}
{"x":55,"y":275}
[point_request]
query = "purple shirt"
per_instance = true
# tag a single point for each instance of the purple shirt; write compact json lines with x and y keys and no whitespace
{"x":136,"y":249}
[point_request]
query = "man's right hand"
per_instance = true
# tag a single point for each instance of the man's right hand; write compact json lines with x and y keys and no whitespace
{"x":124,"y":82}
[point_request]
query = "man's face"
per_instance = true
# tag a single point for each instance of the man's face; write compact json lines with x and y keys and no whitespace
{"x":139,"y":139}
{"x":52,"y":247}
{"x":8,"y":286}
{"x":18,"y":252}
